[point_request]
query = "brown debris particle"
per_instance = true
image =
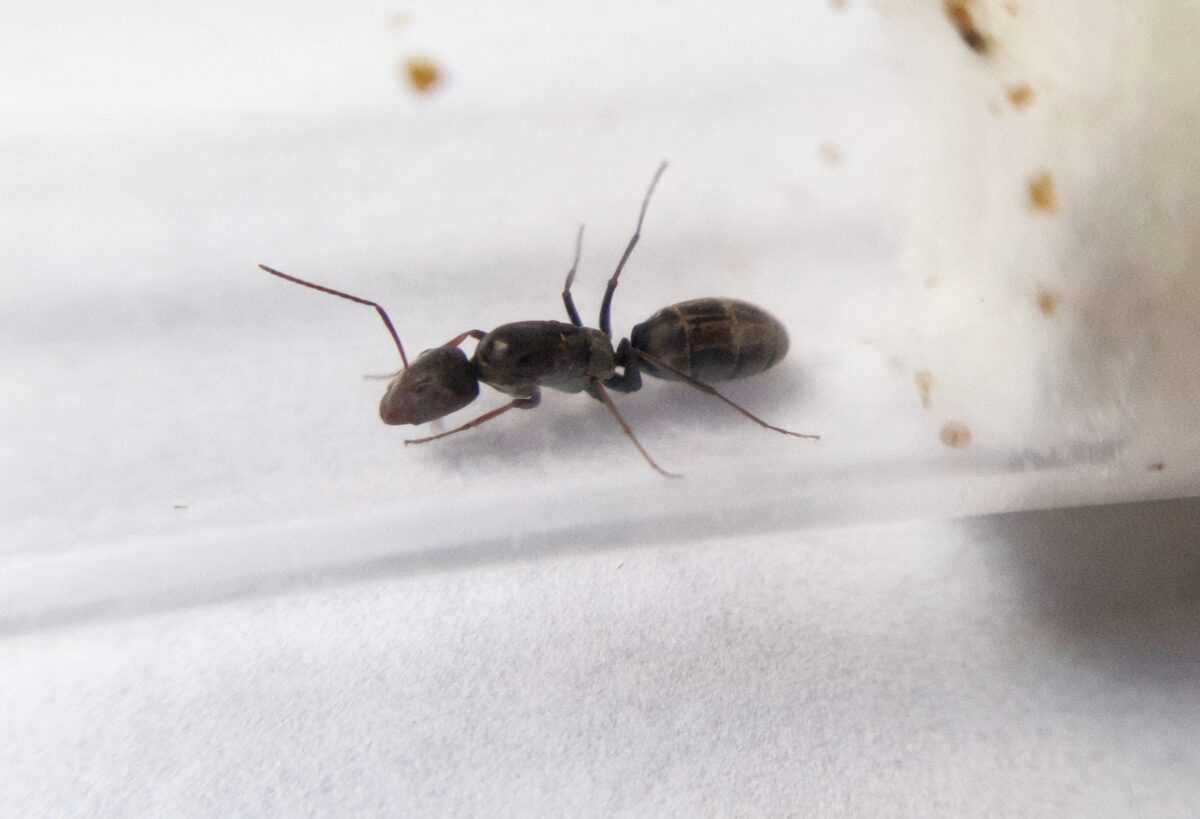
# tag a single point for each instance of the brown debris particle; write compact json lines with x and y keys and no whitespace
{"x":1042,"y":195}
{"x":830,"y":153}
{"x":1020,"y":95}
{"x":839,"y":5}
{"x":1012,"y":7}
{"x":1157,"y":466}
{"x":924,"y":381}
{"x":959,"y":14}
{"x":423,"y":74}
{"x":400,"y":20}
{"x":1047,"y":301}
{"x":956,"y":434}
{"x":932,"y":281}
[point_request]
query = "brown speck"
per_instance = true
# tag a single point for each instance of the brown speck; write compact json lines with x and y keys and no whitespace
{"x":423,"y":74}
{"x":932,"y":281}
{"x":1047,"y":301}
{"x":924,"y":381}
{"x":956,"y":434}
{"x":1012,"y":7}
{"x":1157,"y":466}
{"x":400,"y":20}
{"x":839,"y":5}
{"x":830,"y":153}
{"x":959,"y":13}
{"x":1041,"y":193}
{"x":1020,"y":95}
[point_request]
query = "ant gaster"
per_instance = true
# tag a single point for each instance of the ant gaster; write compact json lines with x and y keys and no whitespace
{"x":710,"y":339}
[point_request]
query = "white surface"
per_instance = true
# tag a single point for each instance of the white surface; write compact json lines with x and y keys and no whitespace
{"x":163,"y":397}
{"x":1041,"y":664}
{"x":182,"y":429}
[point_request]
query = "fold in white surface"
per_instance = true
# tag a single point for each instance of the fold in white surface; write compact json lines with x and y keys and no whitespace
{"x":1031,"y":664}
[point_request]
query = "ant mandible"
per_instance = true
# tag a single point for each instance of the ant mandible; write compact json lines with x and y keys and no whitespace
{"x":711,"y":339}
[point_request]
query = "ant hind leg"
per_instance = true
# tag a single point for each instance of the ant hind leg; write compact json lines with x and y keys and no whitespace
{"x":711,"y":390}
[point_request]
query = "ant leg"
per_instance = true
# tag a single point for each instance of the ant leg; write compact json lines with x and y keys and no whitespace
{"x":529,"y":402}
{"x":606,"y":305}
{"x":608,"y":402}
{"x":700,"y":385}
{"x":568,"y":301}
{"x":630,"y":379}
{"x":461,"y":337}
{"x":382,"y":313}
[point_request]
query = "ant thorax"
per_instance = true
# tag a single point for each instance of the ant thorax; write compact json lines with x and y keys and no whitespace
{"x":519,"y":357}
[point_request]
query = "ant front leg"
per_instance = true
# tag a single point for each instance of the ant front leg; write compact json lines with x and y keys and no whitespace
{"x":461,"y":337}
{"x":454,"y":342}
{"x":528,"y":402}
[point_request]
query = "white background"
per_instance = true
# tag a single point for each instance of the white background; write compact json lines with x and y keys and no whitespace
{"x":225,"y":587}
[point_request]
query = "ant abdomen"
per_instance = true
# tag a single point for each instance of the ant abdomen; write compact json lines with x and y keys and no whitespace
{"x":711,"y":340}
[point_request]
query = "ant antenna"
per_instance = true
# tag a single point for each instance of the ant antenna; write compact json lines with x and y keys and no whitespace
{"x":382,"y":313}
{"x":637,"y":234}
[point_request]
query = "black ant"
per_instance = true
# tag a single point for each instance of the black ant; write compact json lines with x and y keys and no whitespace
{"x":710,"y":339}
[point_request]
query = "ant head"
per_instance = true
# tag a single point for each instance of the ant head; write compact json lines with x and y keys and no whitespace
{"x":439,"y":382}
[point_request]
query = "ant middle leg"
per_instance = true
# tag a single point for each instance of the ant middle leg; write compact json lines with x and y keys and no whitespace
{"x":606,"y":305}
{"x":528,"y":402}
{"x":596,"y":390}
{"x":711,"y":390}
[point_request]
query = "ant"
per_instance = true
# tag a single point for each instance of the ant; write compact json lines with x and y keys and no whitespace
{"x":711,"y":339}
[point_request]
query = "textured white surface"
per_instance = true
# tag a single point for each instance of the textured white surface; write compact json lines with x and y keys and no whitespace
{"x":1041,"y":664}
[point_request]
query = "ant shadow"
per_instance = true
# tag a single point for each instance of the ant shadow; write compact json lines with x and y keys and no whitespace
{"x":1118,"y":585}
{"x":572,"y":425}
